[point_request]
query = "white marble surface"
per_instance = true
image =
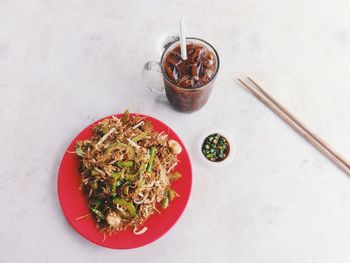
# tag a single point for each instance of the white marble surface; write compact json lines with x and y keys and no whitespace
{"x":64,"y":64}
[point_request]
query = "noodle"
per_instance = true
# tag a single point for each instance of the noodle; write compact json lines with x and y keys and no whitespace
{"x":126,"y":169}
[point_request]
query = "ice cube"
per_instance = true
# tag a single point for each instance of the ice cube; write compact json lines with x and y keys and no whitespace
{"x":176,"y":57}
{"x":205,"y":79}
{"x":194,"y":70}
{"x":168,"y":71}
{"x":197,"y":54}
{"x":195,"y":82}
{"x":176,"y":74}
{"x":208,"y":73}
{"x":208,"y":63}
{"x":200,"y":69}
{"x":209,"y":55}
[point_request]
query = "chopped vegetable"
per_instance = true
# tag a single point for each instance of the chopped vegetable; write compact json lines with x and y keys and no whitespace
{"x":128,"y":205}
{"x":172,"y":194}
{"x":174,"y":176}
{"x":215,"y":148}
{"x":124,"y":214}
{"x":97,"y":212}
{"x":117,"y":175}
{"x":131,"y":177}
{"x":126,"y":116}
{"x":143,"y":168}
{"x":140,"y":137}
{"x":105,"y":137}
{"x":150,"y":164}
{"x":79,"y":152}
{"x":165,"y":201}
{"x":97,"y":202}
{"x":125,"y":163}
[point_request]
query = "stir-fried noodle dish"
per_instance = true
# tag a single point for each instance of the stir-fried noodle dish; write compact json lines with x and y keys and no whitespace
{"x":126,"y":172}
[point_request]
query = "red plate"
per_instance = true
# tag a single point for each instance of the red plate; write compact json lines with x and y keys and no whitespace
{"x":74,"y":203}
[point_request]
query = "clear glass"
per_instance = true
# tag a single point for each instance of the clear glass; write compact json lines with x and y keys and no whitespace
{"x":182,"y":99}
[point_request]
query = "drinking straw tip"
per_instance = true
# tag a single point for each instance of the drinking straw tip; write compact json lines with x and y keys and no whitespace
{"x":183,"y":39}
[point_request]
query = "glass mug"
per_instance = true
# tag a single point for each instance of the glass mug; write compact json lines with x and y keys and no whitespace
{"x":182,"y":99}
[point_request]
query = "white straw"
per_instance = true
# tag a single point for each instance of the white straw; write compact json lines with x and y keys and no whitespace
{"x":183,"y":39}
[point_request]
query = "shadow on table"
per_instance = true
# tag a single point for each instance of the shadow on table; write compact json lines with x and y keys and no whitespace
{"x":162,"y":99}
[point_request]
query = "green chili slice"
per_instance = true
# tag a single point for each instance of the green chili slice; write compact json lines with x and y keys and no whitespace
{"x":128,"y":205}
{"x":150,"y":164}
{"x":97,"y":212}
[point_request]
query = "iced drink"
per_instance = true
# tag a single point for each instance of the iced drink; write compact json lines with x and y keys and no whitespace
{"x":188,"y":83}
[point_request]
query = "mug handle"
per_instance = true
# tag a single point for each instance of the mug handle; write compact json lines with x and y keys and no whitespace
{"x":153,"y":77}
{"x":152,"y":73}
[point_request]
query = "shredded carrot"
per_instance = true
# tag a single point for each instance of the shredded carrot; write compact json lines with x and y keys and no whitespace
{"x":87,"y":216}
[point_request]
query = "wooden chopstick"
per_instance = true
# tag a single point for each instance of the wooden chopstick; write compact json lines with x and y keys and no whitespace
{"x":321,"y":141}
{"x":293,"y":122}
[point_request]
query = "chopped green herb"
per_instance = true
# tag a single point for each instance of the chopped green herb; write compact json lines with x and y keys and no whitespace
{"x":97,"y":212}
{"x":215,"y":147}
{"x":79,"y":152}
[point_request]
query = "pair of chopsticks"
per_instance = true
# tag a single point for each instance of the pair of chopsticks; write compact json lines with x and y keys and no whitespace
{"x":293,"y":122}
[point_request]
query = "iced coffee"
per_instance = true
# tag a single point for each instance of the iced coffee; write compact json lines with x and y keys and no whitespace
{"x":188,"y":83}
